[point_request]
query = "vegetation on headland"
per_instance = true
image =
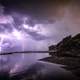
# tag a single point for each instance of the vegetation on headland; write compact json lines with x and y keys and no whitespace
{"x":67,"y":52}
{"x":69,"y":46}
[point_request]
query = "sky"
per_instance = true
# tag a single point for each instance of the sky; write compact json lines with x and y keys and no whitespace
{"x":43,"y":22}
{"x":56,"y":12}
{"x":58,"y":18}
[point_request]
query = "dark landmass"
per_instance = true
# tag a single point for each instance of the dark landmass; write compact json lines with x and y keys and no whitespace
{"x":67,"y":52}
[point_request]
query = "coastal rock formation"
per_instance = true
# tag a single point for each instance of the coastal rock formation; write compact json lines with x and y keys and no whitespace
{"x":67,"y":52}
{"x":69,"y":46}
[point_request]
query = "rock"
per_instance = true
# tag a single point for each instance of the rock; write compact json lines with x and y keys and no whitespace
{"x":67,"y":52}
{"x":69,"y":46}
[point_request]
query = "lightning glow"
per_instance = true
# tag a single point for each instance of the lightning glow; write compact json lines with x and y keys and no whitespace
{"x":2,"y":37}
{"x":35,"y":28}
{"x":17,"y":34}
{"x":17,"y":38}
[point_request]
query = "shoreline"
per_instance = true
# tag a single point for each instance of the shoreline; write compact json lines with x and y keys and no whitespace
{"x":72,"y":64}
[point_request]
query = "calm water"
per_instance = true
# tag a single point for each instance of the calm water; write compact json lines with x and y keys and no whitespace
{"x":41,"y":55}
{"x":18,"y":61}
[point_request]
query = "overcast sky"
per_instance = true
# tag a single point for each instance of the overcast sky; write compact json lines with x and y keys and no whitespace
{"x":55,"y":20}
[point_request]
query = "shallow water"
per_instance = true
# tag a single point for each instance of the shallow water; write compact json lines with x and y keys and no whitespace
{"x":16,"y":62}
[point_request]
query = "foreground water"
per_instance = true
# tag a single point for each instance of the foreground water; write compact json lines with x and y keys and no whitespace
{"x":18,"y":63}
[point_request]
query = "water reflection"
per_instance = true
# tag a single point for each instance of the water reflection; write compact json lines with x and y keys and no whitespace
{"x":18,"y":62}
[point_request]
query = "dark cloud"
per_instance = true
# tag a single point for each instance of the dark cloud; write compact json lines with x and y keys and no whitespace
{"x":62,"y":14}
{"x":36,"y":36}
{"x":39,"y":9}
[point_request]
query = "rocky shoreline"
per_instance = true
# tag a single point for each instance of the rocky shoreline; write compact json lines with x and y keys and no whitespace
{"x":71,"y":63}
{"x":67,"y":52}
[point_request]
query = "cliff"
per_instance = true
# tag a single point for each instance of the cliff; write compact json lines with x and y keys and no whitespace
{"x":69,"y":46}
{"x":67,"y":52}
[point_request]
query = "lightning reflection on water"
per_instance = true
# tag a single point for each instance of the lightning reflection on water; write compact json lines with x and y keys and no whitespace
{"x":12,"y":38}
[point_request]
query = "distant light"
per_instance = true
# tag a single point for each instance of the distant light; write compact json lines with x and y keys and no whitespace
{"x":17,"y":34}
{"x":35,"y":28}
{"x":25,"y":26}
